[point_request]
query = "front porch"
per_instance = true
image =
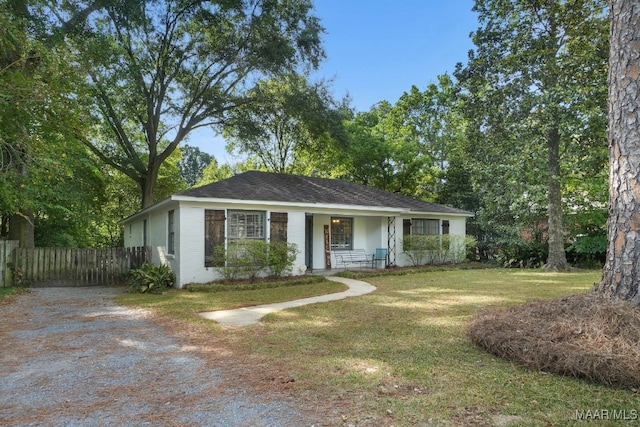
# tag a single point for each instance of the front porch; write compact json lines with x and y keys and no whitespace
{"x":340,"y":242}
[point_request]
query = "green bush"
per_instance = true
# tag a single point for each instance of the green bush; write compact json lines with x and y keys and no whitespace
{"x":280,"y":259}
{"x":419,"y":248}
{"x":248,"y":258}
{"x":523,"y":255}
{"x":151,"y":278}
{"x":437,"y":249}
{"x":588,"y":251}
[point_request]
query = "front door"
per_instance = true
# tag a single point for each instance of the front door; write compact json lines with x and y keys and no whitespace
{"x":308,"y":242}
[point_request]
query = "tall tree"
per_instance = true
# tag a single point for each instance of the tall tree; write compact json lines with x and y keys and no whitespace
{"x":536,"y":80}
{"x":295,"y":116}
{"x":621,"y":274}
{"x":192,"y":164}
{"x":158,"y":70}
{"x":44,"y":171}
{"x":405,"y":147}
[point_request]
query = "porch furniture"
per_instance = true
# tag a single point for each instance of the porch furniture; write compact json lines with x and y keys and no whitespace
{"x":381,"y":255}
{"x":354,"y":257}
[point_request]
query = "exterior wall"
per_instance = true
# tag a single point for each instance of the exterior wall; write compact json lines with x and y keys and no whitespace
{"x":156,"y":236}
{"x":191,"y":255}
{"x":369,"y":233}
{"x":319,"y":221}
{"x":457,"y":227}
{"x":296,"y":229}
{"x":133,"y":234}
{"x":190,"y":246}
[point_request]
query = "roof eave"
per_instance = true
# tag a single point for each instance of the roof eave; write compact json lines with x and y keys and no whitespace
{"x":147,"y":210}
{"x":308,"y":205}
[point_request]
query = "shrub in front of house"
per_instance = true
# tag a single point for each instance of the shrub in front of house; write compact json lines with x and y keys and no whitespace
{"x":151,"y":278}
{"x":281,"y":257}
{"x":419,"y":248}
{"x":437,"y":249}
{"x":247,"y":259}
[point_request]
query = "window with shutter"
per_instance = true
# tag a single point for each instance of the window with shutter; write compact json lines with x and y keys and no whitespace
{"x":278,"y":227}
{"x":214,"y":238}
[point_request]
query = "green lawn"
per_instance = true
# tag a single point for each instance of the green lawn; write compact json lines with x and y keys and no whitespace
{"x":399,"y":356}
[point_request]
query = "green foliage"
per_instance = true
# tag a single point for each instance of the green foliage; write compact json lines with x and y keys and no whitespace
{"x":151,"y":85}
{"x":280,"y":258}
{"x":151,"y":278}
{"x":404,"y":147}
{"x":44,"y":168}
{"x":437,"y":249}
{"x":589,"y":242}
{"x":419,"y":248}
{"x":7,"y":291}
{"x":588,"y":251}
{"x":192,"y":164}
{"x":291,"y":118}
{"x":249,"y":258}
{"x":535,"y":91}
{"x":523,"y":255}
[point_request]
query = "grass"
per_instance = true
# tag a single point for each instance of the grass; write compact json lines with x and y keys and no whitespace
{"x":186,"y":304}
{"x":6,"y":292}
{"x":400,"y":356}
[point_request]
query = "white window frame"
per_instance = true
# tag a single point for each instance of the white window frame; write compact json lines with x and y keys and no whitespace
{"x":251,"y":225}
{"x":425,"y":226}
{"x":341,"y":239}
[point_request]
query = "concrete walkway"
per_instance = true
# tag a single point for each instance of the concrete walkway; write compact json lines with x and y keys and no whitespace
{"x":251,"y":315}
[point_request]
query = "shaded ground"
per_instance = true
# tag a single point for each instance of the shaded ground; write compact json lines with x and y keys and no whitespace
{"x":68,"y":356}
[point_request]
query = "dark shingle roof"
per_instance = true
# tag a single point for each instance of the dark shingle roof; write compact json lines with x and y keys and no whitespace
{"x":266,"y":186}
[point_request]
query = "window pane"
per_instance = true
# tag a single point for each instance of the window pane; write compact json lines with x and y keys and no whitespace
{"x":246,"y":225}
{"x":341,"y":233}
{"x":421,"y":226}
{"x":170,"y":234}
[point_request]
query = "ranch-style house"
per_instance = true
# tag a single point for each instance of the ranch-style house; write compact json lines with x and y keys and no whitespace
{"x":333,"y":223}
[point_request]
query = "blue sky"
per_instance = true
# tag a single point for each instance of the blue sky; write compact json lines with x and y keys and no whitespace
{"x":378,"y":49}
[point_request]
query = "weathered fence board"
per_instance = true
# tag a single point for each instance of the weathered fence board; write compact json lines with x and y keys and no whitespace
{"x":41,"y":267}
{"x":6,"y":250}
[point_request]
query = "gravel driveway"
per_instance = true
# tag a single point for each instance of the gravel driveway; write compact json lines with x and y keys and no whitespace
{"x":71,"y":357}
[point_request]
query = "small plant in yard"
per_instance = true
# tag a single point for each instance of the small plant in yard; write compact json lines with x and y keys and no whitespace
{"x":6,"y":292}
{"x":151,"y":278}
{"x":280,"y":259}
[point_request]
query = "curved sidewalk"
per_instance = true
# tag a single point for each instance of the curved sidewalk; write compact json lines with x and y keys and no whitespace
{"x":251,"y":315}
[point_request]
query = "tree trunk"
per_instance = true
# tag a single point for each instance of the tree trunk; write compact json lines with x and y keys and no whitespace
{"x":621,"y":274}
{"x":22,"y":223}
{"x":21,"y":228}
{"x":557,"y":259}
{"x":148,"y":183}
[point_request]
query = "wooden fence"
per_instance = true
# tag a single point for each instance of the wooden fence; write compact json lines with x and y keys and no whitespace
{"x":6,"y":252}
{"x":42,"y":267}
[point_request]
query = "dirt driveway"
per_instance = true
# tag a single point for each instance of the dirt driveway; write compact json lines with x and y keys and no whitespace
{"x":71,"y":357}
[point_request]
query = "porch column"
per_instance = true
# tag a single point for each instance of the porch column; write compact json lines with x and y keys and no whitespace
{"x":391,"y":241}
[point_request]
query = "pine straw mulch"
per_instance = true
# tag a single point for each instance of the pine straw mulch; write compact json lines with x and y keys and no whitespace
{"x":586,"y":336}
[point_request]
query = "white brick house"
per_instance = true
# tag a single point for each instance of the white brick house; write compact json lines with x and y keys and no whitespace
{"x":322,"y":217}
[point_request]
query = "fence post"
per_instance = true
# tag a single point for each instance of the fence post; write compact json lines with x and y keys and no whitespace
{"x":7,"y":268}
